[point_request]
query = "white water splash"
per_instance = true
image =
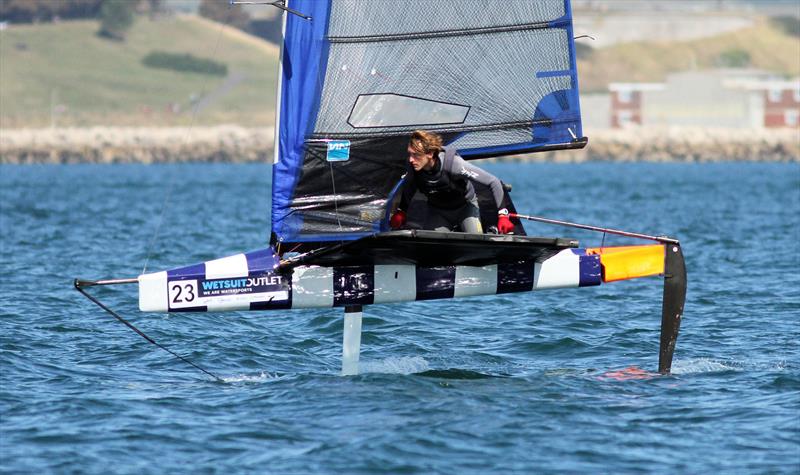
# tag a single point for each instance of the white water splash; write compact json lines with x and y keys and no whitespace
{"x":703,"y":365}
{"x":708,"y":365}
{"x":264,"y":376}
{"x":395,"y":365}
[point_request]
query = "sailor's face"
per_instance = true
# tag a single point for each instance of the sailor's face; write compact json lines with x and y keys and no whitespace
{"x":420,"y":161}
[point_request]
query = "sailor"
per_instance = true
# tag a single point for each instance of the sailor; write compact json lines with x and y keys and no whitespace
{"x":446,"y":180}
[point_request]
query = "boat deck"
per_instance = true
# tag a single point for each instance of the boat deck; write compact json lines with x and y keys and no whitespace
{"x":441,"y":248}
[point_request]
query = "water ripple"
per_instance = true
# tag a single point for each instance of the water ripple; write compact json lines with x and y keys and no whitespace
{"x":553,"y":382}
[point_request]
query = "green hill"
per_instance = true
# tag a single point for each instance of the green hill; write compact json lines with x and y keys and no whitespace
{"x":765,"y":46}
{"x":64,"y":71}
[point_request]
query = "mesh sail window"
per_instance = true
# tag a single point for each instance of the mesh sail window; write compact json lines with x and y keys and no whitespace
{"x":494,"y":77}
{"x":392,"y":110}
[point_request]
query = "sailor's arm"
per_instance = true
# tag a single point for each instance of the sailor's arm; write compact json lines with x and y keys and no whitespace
{"x":478,"y":175}
{"x":407,"y":190}
{"x":504,"y":224}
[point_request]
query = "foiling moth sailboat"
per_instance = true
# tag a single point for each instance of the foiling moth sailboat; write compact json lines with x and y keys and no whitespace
{"x":356,"y":77}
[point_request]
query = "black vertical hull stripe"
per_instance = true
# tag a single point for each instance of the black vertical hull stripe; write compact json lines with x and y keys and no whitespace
{"x":436,"y":282}
{"x":514,"y":277}
{"x":353,"y":285}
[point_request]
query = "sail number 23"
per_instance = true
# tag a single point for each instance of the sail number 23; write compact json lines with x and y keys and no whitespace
{"x":182,"y":293}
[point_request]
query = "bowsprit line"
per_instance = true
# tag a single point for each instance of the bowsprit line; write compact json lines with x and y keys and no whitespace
{"x":80,"y":284}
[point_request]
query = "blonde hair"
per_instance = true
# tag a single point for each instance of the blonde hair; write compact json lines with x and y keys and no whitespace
{"x":425,"y":142}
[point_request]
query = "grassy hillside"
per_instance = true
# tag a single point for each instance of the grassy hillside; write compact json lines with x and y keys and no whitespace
{"x":767,"y":46}
{"x":88,"y":80}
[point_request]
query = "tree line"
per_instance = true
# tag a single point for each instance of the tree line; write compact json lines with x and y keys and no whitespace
{"x":116,"y":16}
{"x":38,"y":11}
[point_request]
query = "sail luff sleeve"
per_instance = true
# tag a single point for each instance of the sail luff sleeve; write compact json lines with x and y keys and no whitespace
{"x":305,"y":51}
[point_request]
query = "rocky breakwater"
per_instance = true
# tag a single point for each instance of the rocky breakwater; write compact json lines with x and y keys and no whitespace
{"x":240,"y":144}
{"x":136,"y":145}
{"x":684,"y":144}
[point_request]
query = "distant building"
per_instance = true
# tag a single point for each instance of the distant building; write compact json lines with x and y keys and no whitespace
{"x":781,"y":102}
{"x":719,"y":98}
{"x":626,"y":102}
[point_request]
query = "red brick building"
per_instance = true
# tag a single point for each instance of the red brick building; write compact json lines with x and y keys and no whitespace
{"x":782,"y":104}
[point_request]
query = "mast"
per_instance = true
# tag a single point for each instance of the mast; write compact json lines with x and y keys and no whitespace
{"x":276,"y":130}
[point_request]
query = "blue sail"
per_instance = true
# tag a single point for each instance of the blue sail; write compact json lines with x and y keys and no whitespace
{"x":493,"y":78}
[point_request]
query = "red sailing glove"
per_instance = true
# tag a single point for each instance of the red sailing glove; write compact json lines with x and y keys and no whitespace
{"x":398,"y":219}
{"x":504,"y":225}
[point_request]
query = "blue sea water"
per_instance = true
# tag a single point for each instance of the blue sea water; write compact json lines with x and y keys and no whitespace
{"x":517,"y":383}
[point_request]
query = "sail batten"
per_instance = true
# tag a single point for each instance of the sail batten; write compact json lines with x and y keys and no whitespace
{"x":448,"y":33}
{"x":359,"y":17}
{"x":465,"y":128}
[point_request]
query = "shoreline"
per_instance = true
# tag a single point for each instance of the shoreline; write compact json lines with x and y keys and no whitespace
{"x":234,"y":144}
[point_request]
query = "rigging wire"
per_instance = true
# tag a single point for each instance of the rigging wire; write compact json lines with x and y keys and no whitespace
{"x":619,"y":232}
{"x":276,"y":3}
{"x":158,"y":226}
{"x":79,"y":287}
{"x":335,"y":198}
{"x":171,"y":183}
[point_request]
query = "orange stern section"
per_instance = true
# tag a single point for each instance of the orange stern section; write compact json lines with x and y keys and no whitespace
{"x":630,"y":262}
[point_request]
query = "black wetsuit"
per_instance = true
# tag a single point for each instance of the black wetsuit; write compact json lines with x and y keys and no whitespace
{"x":449,"y":190}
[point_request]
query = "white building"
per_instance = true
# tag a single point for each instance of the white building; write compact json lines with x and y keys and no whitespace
{"x":727,"y":98}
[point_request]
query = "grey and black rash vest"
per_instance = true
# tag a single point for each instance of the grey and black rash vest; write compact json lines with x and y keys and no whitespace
{"x":448,"y":184}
